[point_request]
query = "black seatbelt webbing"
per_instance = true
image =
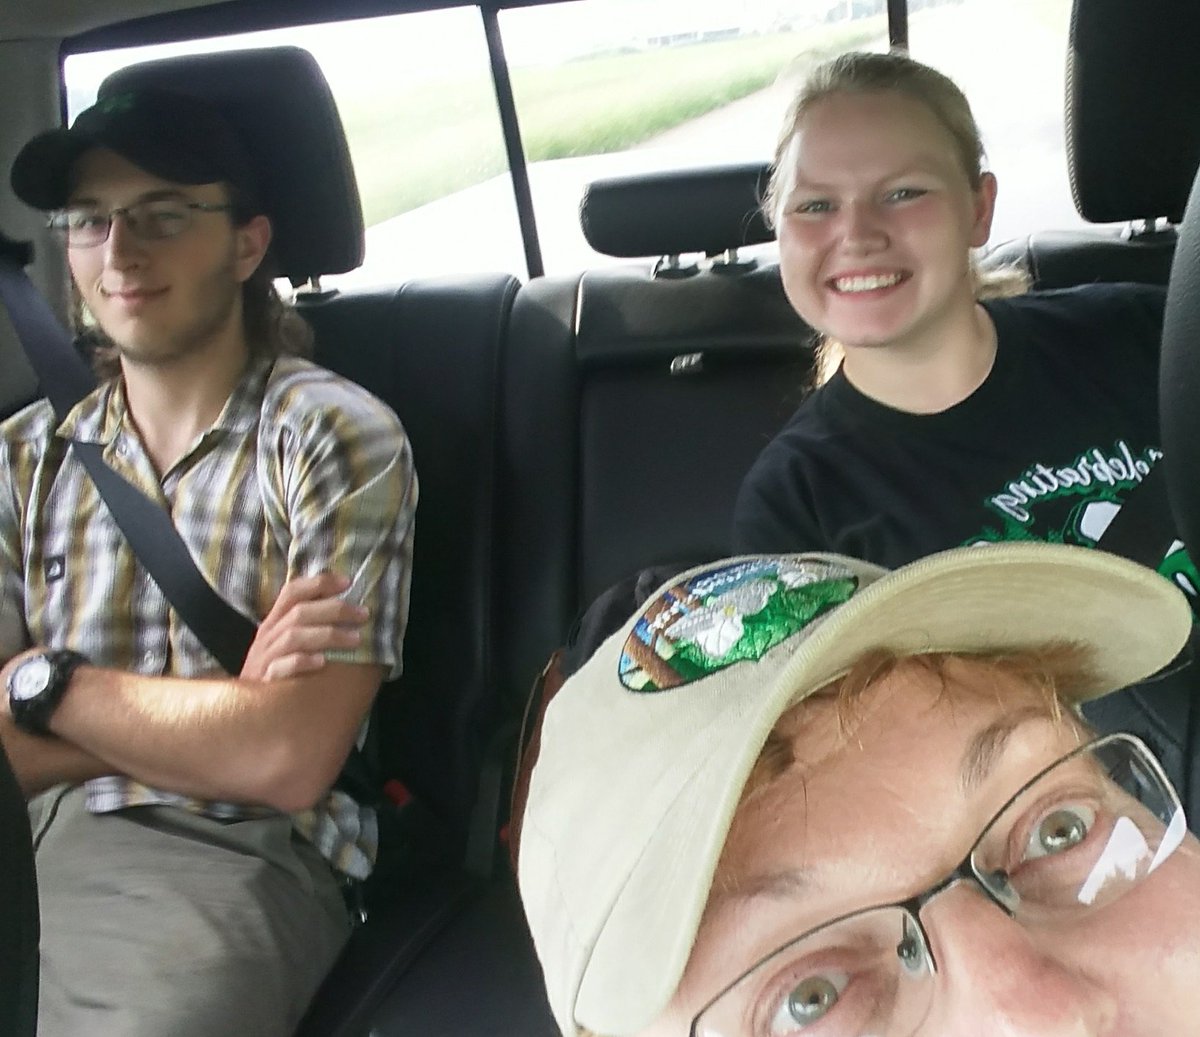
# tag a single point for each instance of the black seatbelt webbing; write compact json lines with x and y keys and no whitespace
{"x":64,"y":375}
{"x":224,"y":631}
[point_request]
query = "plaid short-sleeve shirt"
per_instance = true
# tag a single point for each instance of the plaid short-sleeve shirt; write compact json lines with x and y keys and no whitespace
{"x":302,"y":471}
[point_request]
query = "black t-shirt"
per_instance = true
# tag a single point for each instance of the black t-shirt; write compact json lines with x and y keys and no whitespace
{"x":1061,"y":431}
{"x":1063,"y":428}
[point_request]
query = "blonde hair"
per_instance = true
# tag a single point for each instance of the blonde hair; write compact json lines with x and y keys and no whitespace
{"x":1058,"y":673}
{"x":865,"y":72}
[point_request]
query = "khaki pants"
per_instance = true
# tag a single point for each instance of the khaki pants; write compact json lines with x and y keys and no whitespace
{"x":160,"y":923}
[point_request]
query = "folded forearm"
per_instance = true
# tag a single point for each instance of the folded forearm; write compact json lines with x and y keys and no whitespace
{"x":278,"y":743}
{"x":196,"y":737}
{"x":41,"y":761}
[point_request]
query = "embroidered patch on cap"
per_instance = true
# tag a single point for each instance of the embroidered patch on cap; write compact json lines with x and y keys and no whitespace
{"x":726,"y":615}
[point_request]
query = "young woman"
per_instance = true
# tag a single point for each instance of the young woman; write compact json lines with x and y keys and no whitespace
{"x":955,"y":407}
{"x":951,"y":418}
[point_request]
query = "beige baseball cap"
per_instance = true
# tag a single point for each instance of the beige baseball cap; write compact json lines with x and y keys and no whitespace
{"x":645,"y":749}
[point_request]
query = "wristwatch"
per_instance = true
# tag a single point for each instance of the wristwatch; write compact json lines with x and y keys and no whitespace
{"x":36,"y":687}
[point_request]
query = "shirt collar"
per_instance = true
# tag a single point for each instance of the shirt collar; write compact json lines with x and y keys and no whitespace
{"x":100,"y":415}
{"x":243,"y":408}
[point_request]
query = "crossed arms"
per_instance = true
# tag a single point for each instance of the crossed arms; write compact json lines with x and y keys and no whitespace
{"x":275,"y":735}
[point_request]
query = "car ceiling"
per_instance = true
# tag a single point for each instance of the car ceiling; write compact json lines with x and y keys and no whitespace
{"x":99,"y":24}
{"x":27,"y":19}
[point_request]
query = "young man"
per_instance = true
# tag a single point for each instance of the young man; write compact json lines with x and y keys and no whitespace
{"x":189,"y":843}
{"x":799,"y":794}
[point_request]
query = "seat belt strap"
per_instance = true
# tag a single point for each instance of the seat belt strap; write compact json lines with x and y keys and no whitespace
{"x":221,"y":628}
{"x":64,"y":375}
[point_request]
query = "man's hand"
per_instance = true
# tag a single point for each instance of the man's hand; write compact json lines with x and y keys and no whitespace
{"x":275,"y":735}
{"x":307,"y":620}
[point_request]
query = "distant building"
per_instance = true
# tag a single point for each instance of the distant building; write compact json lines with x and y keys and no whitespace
{"x":674,"y":23}
{"x":708,"y":35}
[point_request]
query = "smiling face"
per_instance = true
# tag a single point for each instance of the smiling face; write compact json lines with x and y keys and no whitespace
{"x":875,"y":221}
{"x":161,"y":300}
{"x":881,"y":814}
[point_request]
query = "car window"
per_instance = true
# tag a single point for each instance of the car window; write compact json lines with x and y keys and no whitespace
{"x":416,"y":98}
{"x":608,"y":87}
{"x":628,"y":87}
{"x":1013,"y":71}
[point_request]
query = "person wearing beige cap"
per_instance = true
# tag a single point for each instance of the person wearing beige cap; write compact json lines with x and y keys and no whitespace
{"x":803,"y":795}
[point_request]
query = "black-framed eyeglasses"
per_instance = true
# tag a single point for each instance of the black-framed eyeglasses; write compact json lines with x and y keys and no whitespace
{"x":85,"y":226}
{"x":1076,"y":837}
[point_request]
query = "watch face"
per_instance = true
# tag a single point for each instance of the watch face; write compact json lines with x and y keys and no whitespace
{"x":30,"y":678}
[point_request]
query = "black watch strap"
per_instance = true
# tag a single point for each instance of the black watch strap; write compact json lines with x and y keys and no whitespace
{"x":33,"y":713}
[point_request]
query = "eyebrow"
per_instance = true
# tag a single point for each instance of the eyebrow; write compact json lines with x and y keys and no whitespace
{"x":785,"y":884}
{"x":924,"y":164}
{"x":984,"y":750}
{"x":150,"y":196}
{"x":982,"y":754}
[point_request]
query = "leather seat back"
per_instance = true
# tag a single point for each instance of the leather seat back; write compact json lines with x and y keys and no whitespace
{"x":1133,"y":144}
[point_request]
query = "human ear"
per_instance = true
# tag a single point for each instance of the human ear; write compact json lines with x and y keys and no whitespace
{"x":253,"y":240}
{"x":984,"y":206}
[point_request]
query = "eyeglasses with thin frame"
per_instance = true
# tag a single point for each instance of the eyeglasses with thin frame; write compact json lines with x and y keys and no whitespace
{"x":85,"y":226}
{"x":1082,"y":833}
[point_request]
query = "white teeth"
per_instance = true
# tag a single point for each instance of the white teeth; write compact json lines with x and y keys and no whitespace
{"x":865,"y":284}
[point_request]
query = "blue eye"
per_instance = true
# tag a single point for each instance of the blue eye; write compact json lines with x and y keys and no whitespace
{"x":905,"y":194}
{"x":808,"y":1003}
{"x":813,"y":207}
{"x":162,"y":219}
{"x":1059,"y":831}
{"x":78,"y":219}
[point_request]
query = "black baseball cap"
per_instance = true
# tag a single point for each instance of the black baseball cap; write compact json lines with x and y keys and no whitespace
{"x":172,"y":135}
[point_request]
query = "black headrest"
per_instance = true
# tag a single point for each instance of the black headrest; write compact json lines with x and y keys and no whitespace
{"x":1179,"y":377}
{"x":278,"y":100}
{"x":1133,"y":125}
{"x":665,"y":214}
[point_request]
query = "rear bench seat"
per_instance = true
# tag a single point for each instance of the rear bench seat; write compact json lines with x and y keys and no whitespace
{"x":634,"y":401}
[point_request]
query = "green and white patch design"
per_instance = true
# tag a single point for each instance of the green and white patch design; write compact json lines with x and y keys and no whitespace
{"x":728,"y":614}
{"x":1074,"y":503}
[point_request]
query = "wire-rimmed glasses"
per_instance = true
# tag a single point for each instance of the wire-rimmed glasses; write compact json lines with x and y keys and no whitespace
{"x":1078,"y":836}
{"x":86,"y":226}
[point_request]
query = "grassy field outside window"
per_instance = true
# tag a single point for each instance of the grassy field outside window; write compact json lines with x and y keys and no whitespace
{"x":436,"y":137}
